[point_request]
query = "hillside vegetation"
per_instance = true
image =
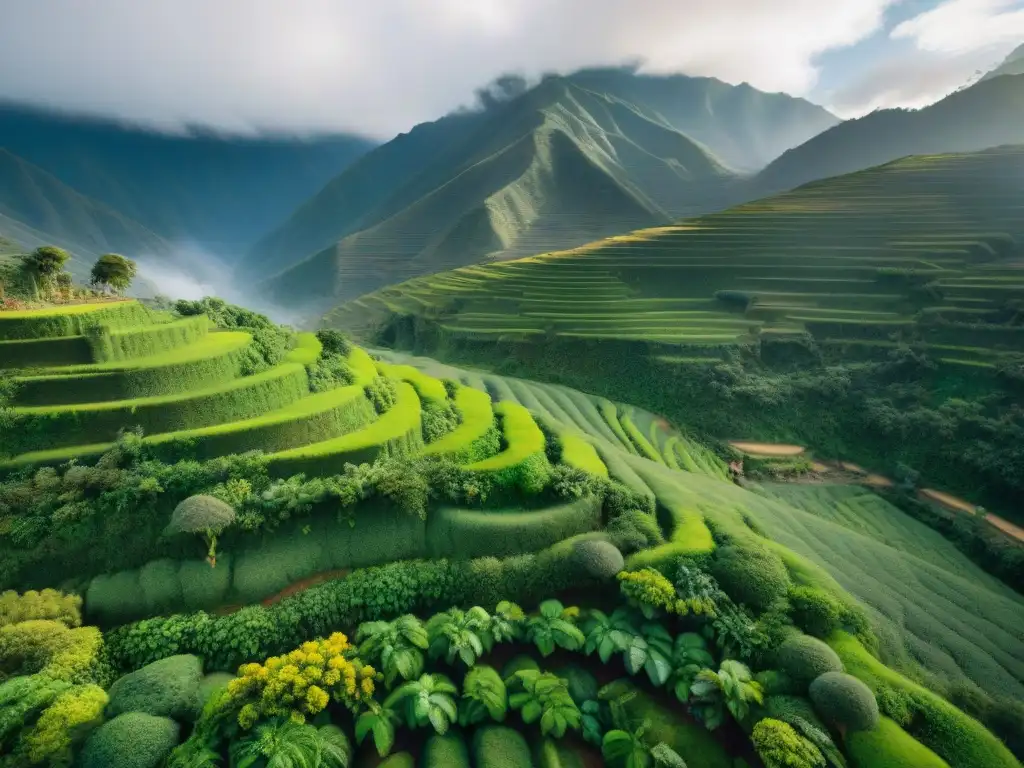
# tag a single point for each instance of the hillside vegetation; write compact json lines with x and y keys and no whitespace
{"x":571,"y":159}
{"x":401,"y":532}
{"x":883,"y":298}
{"x":36,"y":208}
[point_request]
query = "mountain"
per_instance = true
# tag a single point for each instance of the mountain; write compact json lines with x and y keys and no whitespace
{"x":570,"y":160}
{"x":989,"y":113}
{"x":36,"y":209}
{"x":1013,"y":64}
{"x":222,"y":192}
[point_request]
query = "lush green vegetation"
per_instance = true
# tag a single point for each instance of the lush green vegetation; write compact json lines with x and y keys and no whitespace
{"x":874,"y":317}
{"x":409,"y":559}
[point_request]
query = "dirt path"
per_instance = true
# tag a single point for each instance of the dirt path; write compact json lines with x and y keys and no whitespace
{"x":955,"y":504}
{"x":292,"y":589}
{"x":767,"y":449}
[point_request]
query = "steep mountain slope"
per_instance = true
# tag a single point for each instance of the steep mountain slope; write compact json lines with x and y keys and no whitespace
{"x":559,"y":166}
{"x":222,"y":192}
{"x":36,"y":209}
{"x":1013,"y":64}
{"x":740,"y":126}
{"x":988,"y":114}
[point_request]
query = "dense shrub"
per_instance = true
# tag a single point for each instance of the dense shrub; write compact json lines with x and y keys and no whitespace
{"x":269,"y":340}
{"x":438,"y":419}
{"x":51,"y":648}
{"x":844,"y":701}
{"x":752,"y":576}
{"x":398,"y":760}
{"x":895,"y":704}
{"x":334,"y":342}
{"x":44,"y":604}
{"x":581,"y":683}
{"x":779,"y":746}
{"x":597,"y":558}
{"x":788,"y":709}
{"x":814,"y":611}
{"x":167,"y":688}
{"x":496,"y":746}
{"x":131,"y":740}
{"x":382,"y":393}
{"x":804,"y":658}
{"x":329,"y":372}
{"x":775,"y":683}
{"x":63,"y":725}
{"x":447,"y":751}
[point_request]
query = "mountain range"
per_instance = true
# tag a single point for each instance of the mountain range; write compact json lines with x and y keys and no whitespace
{"x":570,"y":160}
{"x":311,"y":222}
{"x":220,"y":192}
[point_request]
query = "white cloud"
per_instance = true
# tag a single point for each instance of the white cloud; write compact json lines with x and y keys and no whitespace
{"x":961,"y":26}
{"x":381,"y":66}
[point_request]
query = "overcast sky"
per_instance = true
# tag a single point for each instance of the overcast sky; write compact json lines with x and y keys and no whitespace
{"x":378,"y":67}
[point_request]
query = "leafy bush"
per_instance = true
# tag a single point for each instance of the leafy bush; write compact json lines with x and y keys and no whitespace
{"x":600,"y":559}
{"x":334,"y":342}
{"x":329,"y":372}
{"x":301,"y":683}
{"x":382,"y":393}
{"x":50,"y":648}
{"x":438,"y":419}
{"x":779,"y":746}
{"x":753,"y":576}
{"x":804,"y":658}
{"x":167,"y":688}
{"x":447,"y":751}
{"x":496,"y":746}
{"x":581,"y":684}
{"x":897,"y":705}
{"x":62,"y":725}
{"x":131,"y":740}
{"x":815,"y":611}
{"x":45,"y":604}
{"x":651,"y":592}
{"x":844,"y":701}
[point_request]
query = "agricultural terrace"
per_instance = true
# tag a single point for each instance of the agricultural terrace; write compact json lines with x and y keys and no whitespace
{"x":374,"y":559}
{"x":917,"y":261}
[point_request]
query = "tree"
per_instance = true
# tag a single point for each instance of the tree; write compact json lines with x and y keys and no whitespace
{"x":204,"y":515}
{"x":431,"y":699}
{"x":483,"y":696}
{"x":397,"y":646}
{"x":545,"y":697}
{"x":45,"y":263}
{"x":555,"y":627}
{"x":732,"y":687}
{"x":113,"y":270}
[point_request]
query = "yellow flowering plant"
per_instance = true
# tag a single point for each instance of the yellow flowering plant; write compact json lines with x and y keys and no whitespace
{"x":301,"y":683}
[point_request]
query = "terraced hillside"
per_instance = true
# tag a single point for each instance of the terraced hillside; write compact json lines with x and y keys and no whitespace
{"x":506,"y":514}
{"x":922,"y":252}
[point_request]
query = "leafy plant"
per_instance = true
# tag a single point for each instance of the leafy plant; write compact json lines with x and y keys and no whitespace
{"x":457,"y":634}
{"x":731,"y":688}
{"x":651,"y":651}
{"x":287,"y":744}
{"x":396,"y":646}
{"x":429,"y":700}
{"x":592,"y":722}
{"x":629,"y":749}
{"x":506,"y":624}
{"x":483,"y":696}
{"x":650,"y":591}
{"x":690,"y":655}
{"x":779,"y":746}
{"x":380,"y":722}
{"x":608,"y":634}
{"x":555,"y":627}
{"x":545,"y":697}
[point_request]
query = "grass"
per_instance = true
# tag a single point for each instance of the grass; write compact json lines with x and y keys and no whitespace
{"x":70,"y":320}
{"x":394,"y":432}
{"x":889,"y":746}
{"x":522,"y":435}
{"x":578,"y":452}
{"x":477,"y":418}
{"x":306,"y":351}
{"x":426,"y":386}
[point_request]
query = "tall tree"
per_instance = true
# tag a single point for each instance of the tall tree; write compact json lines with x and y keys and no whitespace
{"x":114,"y":271}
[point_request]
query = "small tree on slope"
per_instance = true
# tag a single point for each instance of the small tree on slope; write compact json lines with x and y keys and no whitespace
{"x":113,"y":270}
{"x":203,"y":515}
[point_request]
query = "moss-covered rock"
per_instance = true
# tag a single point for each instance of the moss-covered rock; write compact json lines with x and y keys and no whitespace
{"x":166,"y":688}
{"x":131,"y":740}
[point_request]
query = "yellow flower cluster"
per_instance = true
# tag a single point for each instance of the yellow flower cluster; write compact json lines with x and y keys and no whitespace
{"x":302,"y":682}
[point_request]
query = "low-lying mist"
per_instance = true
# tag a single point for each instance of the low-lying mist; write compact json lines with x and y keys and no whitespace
{"x":192,"y":272}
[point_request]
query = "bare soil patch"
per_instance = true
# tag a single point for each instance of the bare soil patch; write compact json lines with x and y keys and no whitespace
{"x":767,"y":449}
{"x":947,"y":500}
